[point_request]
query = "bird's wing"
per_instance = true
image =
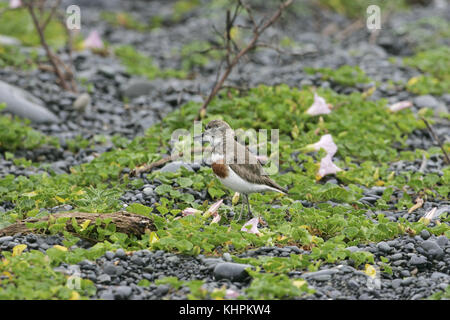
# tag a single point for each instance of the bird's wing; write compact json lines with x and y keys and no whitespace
{"x":250,"y":168}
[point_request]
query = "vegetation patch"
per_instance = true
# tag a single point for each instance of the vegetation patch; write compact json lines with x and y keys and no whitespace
{"x":141,"y":65}
{"x":16,"y":133}
{"x":18,"y":23}
{"x":345,"y":75}
{"x":436,"y":64}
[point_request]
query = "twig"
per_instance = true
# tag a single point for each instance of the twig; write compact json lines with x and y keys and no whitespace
{"x":256,"y":34}
{"x":50,"y":16}
{"x":159,"y":163}
{"x":358,"y":24}
{"x":436,"y":138}
{"x":423,"y":165}
{"x":54,"y":60}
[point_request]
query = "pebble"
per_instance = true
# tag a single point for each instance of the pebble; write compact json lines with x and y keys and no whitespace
{"x":231,"y":271}
{"x":417,"y":261}
{"x":120,"y":253}
{"x":123,"y":292}
{"x":432,"y":249}
{"x":425,"y":234}
{"x":384,"y":247}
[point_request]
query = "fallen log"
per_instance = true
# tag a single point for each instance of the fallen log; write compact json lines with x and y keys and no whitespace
{"x":126,"y":222}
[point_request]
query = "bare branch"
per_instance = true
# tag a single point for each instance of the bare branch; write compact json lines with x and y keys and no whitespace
{"x":55,"y":61}
{"x":436,"y":138}
{"x":251,"y":45}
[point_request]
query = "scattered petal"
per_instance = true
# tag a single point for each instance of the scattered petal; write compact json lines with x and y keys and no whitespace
{"x":326,"y":142}
{"x":262,"y":159}
{"x":13,"y":4}
{"x":327,"y":166}
{"x":231,"y":294}
{"x":419,"y":203}
{"x":428,"y":216}
{"x":60,"y":248}
{"x":319,"y":106}
{"x":216,"y":218}
{"x":400,"y":106}
{"x":251,"y":226}
{"x":190,"y":211}
{"x":93,"y":41}
{"x":213,"y":208}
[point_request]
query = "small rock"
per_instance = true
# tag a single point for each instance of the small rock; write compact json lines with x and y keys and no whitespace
{"x":227,"y":257}
{"x":24,"y":104}
{"x":123,"y":292}
{"x":425,"y":234}
{"x":137,"y":87}
{"x":136,"y":260}
{"x":439,"y":275}
{"x":162,"y":290}
{"x":5,"y":239}
{"x":322,"y":275}
{"x":231,"y":271}
{"x":396,"y":283}
{"x":417,"y":261}
{"x":442,"y":241}
{"x":104,"y":278}
{"x":148,"y":191}
{"x":82,"y":102}
{"x":173,"y":259}
{"x":109,"y":255}
{"x":426,"y":101}
{"x":120,"y":253}
{"x":109,"y":268}
{"x":107,"y":295}
{"x":432,"y":249}
{"x":174,"y":166}
{"x":396,"y":256}
{"x":383,"y":246}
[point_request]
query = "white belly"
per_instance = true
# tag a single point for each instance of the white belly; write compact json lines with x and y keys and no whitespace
{"x":236,"y":183}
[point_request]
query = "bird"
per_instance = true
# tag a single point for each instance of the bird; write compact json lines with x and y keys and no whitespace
{"x":234,"y":165}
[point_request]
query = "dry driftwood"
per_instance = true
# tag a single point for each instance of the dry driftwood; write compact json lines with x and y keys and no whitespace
{"x":126,"y":222}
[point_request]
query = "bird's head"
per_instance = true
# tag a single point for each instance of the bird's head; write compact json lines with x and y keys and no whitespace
{"x":216,"y":131}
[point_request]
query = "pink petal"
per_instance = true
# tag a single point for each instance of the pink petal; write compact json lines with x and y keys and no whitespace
{"x":216,"y":218}
{"x":190,"y":211}
{"x":326,"y":142}
{"x":13,"y":4}
{"x":400,"y":106}
{"x":327,"y":166}
{"x":254,"y":226}
{"x":231,"y":294}
{"x":319,"y":106}
{"x":93,"y":41}
{"x":430,"y":214}
{"x":213,"y":208}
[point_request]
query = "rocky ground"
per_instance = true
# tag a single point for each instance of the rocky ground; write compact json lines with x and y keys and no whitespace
{"x":420,"y":264}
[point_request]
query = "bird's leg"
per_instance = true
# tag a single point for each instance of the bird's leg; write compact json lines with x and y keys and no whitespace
{"x":248,"y":206}
{"x":242,"y":209}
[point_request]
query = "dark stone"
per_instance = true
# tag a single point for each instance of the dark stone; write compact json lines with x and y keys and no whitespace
{"x":123,"y":292}
{"x":231,"y":271}
{"x":425,"y":234}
